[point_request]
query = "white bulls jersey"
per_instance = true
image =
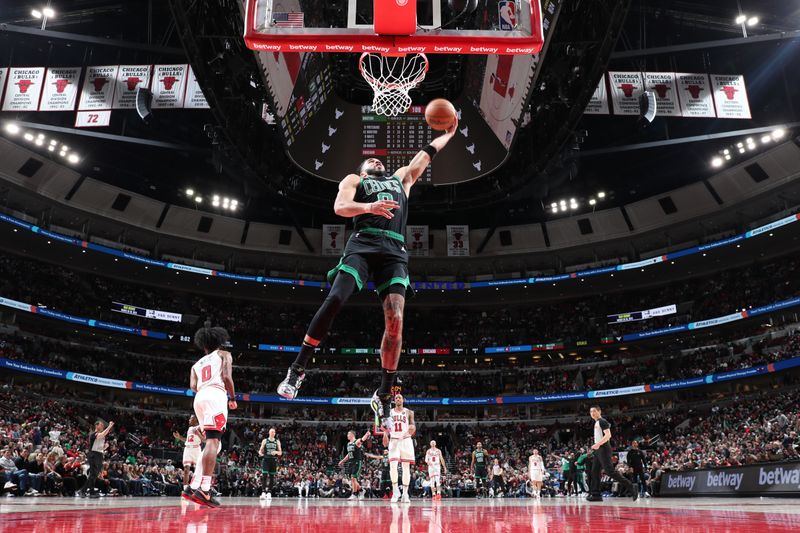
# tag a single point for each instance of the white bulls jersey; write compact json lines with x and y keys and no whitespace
{"x":535,"y":462}
{"x":209,"y":371}
{"x":433,"y":459}
{"x":399,"y":423}
{"x":193,"y":437}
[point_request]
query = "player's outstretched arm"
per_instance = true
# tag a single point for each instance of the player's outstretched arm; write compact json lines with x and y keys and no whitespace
{"x":346,"y":206}
{"x":411,"y":173}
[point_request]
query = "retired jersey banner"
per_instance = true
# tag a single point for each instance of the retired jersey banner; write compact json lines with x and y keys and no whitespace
{"x":169,"y":86}
{"x":598,"y":105}
{"x":694,"y":93}
{"x":666,"y":91}
{"x":98,"y":88}
{"x":129,"y":79}
{"x":60,"y":89}
{"x":332,"y":239}
{"x":626,"y":87}
{"x":24,"y":87}
{"x":457,"y":241}
{"x":195,"y":99}
{"x":417,"y":240}
{"x":730,"y":96}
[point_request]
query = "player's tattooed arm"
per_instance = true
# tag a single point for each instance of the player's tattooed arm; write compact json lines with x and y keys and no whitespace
{"x":346,"y":206}
{"x":412,"y":429}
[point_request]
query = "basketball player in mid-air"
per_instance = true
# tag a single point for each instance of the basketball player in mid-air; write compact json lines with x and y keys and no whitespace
{"x":191,"y":451}
{"x":401,"y":446}
{"x":354,"y":460}
{"x":377,"y":200}
{"x":212,"y":380}
{"x":435,"y":461}
{"x":269,"y":451}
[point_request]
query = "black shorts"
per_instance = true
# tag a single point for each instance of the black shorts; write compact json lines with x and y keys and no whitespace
{"x":352,"y":469}
{"x":380,"y":256}
{"x":481,"y":473}
{"x":269,"y":466}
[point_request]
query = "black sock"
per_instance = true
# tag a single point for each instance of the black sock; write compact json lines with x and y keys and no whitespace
{"x":387,"y":382}
{"x":306,"y":351}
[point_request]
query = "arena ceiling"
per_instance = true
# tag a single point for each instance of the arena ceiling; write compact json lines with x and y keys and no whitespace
{"x":560,"y":154}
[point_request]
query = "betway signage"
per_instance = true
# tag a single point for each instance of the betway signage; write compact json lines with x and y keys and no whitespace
{"x":510,"y":49}
{"x":752,"y":479}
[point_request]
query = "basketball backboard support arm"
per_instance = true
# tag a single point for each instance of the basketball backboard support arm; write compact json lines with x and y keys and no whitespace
{"x":295,"y":32}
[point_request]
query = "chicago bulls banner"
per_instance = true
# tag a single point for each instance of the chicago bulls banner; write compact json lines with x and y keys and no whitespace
{"x":417,"y":240}
{"x":694,"y":94}
{"x":130,"y":78}
{"x":169,"y":86}
{"x":730,"y":96}
{"x":457,"y":241}
{"x":60,"y":89}
{"x":626,"y":87}
{"x":332,"y":239}
{"x":98,"y":88}
{"x":24,"y":87}
{"x":666,"y":91}
{"x":3,"y":75}
{"x":598,"y":105}
{"x":195,"y":99}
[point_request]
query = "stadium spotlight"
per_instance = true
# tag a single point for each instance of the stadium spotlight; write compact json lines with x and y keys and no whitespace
{"x":592,"y":201}
{"x":766,"y":139}
{"x":741,"y":19}
{"x":752,"y":21}
{"x":601,"y":195}
{"x":28,"y":137}
{"x":555,"y":210}
{"x":563,"y":207}
{"x":39,"y":142}
{"x":12,"y":128}
{"x":778,"y":134}
{"x":36,"y":14}
{"x":190,"y":192}
{"x":48,"y":12}
{"x":198,"y":199}
{"x":716,"y":162}
{"x":73,"y":158}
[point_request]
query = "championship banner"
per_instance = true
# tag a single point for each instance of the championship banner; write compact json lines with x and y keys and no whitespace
{"x":457,"y":241}
{"x":417,"y":240}
{"x":60,"y":89}
{"x":332,"y":239}
{"x":24,"y":87}
{"x":169,"y":86}
{"x":3,"y":75}
{"x":598,"y":105}
{"x":130,"y":78}
{"x":626,"y":87}
{"x":666,"y":91}
{"x":195,"y":99}
{"x":730,"y":96}
{"x":98,"y":88}
{"x":694,"y":94}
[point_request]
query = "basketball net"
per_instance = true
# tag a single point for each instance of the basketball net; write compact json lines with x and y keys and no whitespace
{"x":391,"y":78}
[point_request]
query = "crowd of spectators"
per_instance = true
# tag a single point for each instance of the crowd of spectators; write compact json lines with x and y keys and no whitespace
{"x":567,"y":320}
{"x":619,"y":370}
{"x":44,"y":440}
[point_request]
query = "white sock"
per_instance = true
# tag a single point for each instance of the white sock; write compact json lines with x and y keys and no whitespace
{"x":395,"y":488}
{"x":205,"y":485}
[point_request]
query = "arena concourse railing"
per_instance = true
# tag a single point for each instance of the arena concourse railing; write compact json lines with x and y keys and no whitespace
{"x":435,"y":285}
{"x":524,"y":348}
{"x":699,"y":381}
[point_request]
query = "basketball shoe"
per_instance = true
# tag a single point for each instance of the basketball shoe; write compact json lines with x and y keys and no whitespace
{"x":290,"y":386}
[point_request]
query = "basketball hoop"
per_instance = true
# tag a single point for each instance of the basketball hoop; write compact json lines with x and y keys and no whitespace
{"x":391,"y":78}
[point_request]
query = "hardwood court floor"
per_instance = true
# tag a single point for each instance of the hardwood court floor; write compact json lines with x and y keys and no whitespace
{"x":163,"y":515}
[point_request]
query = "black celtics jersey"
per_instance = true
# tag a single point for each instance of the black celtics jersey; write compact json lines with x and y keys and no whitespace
{"x":270,"y":448}
{"x":354,"y":453}
{"x":372,"y":189}
{"x":480,"y":459}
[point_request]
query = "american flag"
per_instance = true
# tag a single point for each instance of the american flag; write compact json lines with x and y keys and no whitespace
{"x":293,"y":19}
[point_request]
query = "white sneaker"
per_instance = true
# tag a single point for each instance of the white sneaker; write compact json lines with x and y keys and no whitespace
{"x":406,"y":499}
{"x":263,"y":496}
{"x":353,"y":497}
{"x":395,"y":497}
{"x":269,"y":495}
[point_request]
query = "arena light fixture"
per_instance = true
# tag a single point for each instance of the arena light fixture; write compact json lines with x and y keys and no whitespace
{"x":716,"y":162}
{"x":563,"y":207}
{"x":741,"y":19}
{"x":48,"y":12}
{"x":73,"y":158}
{"x":28,"y":137}
{"x":555,"y":210}
{"x":190,"y":192}
{"x":39,"y":142}
{"x":51,"y":148}
{"x":752,"y":21}
{"x":62,"y":153}
{"x":12,"y":128}
{"x":727,"y":157}
{"x":778,"y":134}
{"x":198,"y":199}
{"x":36,"y":14}
{"x":64,"y":147}
{"x":766,"y":139}
{"x":601,"y":195}
{"x":592,"y":201}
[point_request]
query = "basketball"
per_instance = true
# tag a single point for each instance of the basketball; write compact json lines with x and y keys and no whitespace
{"x":440,"y":114}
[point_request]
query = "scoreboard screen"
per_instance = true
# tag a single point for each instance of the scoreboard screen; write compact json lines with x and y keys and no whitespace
{"x":395,"y":140}
{"x":635,"y":316}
